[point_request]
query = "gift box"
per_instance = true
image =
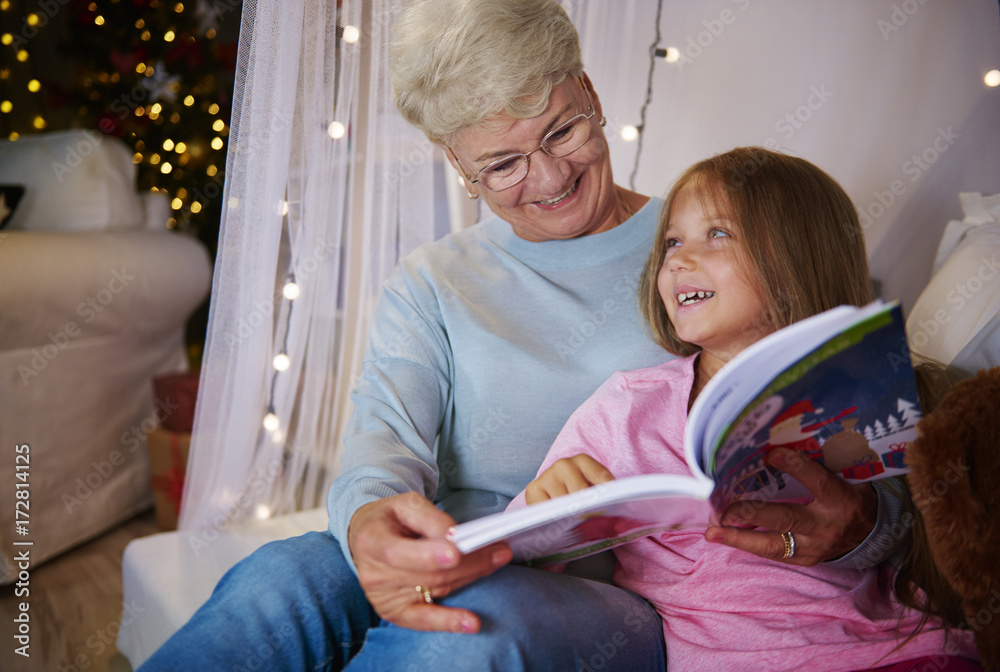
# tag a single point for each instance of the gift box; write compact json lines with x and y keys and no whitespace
{"x":864,"y":469}
{"x":175,"y":395}
{"x":894,"y":458}
{"x":168,"y":453}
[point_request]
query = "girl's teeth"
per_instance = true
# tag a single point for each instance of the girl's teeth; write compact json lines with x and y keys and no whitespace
{"x":557,"y":199}
{"x":687,"y":298}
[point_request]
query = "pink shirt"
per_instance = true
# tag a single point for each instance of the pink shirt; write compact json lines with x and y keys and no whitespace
{"x":725,"y":609}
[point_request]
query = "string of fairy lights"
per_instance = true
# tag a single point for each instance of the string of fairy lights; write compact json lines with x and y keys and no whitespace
{"x":272,"y":424}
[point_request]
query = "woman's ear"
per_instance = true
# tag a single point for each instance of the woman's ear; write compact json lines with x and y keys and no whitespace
{"x":453,"y":160}
{"x":585,"y":80}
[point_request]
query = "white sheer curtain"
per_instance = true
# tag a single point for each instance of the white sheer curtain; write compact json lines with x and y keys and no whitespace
{"x":326,"y":187}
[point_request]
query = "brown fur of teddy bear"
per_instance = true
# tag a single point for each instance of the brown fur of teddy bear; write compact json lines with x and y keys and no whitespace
{"x":955,"y":484}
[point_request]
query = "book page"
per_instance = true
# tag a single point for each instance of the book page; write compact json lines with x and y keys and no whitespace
{"x":591,"y":520}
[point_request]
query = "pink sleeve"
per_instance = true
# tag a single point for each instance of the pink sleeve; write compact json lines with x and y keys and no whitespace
{"x":517,"y":503}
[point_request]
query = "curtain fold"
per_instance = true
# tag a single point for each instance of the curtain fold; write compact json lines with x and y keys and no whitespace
{"x":326,"y":187}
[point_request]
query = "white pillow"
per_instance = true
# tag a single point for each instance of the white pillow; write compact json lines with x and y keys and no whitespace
{"x":73,"y":180}
{"x":156,"y":206}
{"x":955,"y":318}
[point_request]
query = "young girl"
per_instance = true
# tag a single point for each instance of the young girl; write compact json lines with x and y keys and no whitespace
{"x":748,"y":242}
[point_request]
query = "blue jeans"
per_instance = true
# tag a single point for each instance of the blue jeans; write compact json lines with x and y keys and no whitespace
{"x":296,"y":605}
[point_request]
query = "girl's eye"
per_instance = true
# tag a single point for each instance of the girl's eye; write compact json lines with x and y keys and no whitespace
{"x":672,"y":242}
{"x":718,"y":233}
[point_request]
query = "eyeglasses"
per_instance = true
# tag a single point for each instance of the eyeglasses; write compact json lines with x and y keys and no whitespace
{"x":561,"y":141}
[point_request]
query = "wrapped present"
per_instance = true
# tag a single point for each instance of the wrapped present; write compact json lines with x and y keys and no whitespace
{"x":894,"y":458}
{"x":866,"y":467}
{"x":175,"y":395}
{"x":168,"y":453}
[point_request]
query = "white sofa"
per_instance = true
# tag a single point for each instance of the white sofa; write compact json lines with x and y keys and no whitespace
{"x":94,"y":297}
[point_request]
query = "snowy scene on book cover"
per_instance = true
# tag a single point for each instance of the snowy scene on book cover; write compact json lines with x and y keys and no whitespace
{"x":851,"y":405}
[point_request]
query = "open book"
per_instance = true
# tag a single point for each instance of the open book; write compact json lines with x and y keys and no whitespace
{"x":838,"y":386}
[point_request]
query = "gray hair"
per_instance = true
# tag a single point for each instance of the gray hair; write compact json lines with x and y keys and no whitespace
{"x":457,"y":63}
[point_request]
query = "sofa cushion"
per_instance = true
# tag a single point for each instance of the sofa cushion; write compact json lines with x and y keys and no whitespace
{"x":73,"y":180}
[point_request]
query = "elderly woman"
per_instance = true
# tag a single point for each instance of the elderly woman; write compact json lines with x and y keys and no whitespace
{"x":482,"y":345}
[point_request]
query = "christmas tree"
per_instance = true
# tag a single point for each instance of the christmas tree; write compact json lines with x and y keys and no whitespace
{"x":155,"y":74}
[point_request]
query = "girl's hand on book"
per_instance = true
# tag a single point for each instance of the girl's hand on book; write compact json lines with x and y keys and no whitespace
{"x":565,"y":476}
{"x":839,"y":517}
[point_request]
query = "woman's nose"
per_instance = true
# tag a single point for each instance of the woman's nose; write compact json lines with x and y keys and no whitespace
{"x":548,"y":173}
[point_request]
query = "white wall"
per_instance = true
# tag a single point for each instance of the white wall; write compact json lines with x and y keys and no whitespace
{"x":883,"y":94}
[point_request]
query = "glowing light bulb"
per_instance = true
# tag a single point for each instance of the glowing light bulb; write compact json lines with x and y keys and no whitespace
{"x":351,"y":34}
{"x":291,"y":291}
{"x":169,"y":36}
{"x":271,"y":422}
{"x":6,"y":106}
{"x":336,"y":130}
{"x":218,"y":125}
{"x":263,"y":511}
{"x":992,"y":78}
{"x":168,"y":144}
{"x":281,"y":362}
{"x":166,"y":168}
{"x":34,"y":85}
{"x":196,"y":207}
{"x":284,"y":208}
{"x":216,"y":143}
{"x":189,"y":101}
{"x":630,"y":133}
{"x":176,"y":204}
{"x":673,"y":55}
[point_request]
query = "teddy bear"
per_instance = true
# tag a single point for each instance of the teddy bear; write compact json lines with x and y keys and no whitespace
{"x":954,"y":481}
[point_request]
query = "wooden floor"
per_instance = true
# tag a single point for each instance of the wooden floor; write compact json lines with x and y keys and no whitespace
{"x":76,"y":607}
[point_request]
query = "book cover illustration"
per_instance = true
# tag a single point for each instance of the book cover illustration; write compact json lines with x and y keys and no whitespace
{"x":850,"y":405}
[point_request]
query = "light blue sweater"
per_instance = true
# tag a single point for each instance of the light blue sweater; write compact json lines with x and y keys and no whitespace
{"x":481,"y":347}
